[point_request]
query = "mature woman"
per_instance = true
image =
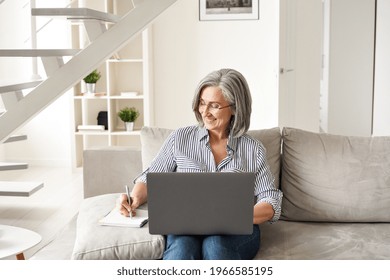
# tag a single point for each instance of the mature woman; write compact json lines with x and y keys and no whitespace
{"x":222,"y":106}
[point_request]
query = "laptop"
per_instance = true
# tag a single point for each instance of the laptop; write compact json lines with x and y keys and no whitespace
{"x":200,"y":203}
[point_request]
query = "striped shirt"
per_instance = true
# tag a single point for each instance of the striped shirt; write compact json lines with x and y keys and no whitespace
{"x":188,"y":150}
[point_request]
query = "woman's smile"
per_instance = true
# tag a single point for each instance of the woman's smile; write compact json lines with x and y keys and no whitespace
{"x":214,"y":118}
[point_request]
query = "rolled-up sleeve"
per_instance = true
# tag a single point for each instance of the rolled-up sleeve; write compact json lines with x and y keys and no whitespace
{"x":265,"y":190}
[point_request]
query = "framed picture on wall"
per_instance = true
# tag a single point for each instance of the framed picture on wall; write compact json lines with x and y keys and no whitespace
{"x":228,"y":9}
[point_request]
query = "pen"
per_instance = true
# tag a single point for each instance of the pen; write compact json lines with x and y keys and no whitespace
{"x":129,"y":200}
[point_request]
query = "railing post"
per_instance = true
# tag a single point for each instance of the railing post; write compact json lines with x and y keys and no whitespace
{"x":33,"y":37}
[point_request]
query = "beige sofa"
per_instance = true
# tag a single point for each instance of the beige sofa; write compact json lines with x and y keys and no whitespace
{"x":336,"y":202}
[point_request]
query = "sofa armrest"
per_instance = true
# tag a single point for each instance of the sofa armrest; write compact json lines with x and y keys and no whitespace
{"x":108,"y":169}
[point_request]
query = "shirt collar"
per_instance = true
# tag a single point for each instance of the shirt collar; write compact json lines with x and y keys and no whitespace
{"x":232,"y":142}
{"x":203,"y":136}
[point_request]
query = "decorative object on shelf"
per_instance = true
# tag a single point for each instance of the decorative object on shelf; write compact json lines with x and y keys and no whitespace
{"x":99,"y":94}
{"x":102,"y":119}
{"x":90,"y":128}
{"x":91,"y":80}
{"x":129,"y":93}
{"x":228,"y":10}
{"x":128,"y":115}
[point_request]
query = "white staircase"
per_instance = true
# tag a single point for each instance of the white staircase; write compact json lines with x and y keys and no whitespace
{"x":5,"y":166}
{"x":8,"y":188}
{"x":94,"y":21}
{"x":104,"y":42}
{"x":63,"y":77}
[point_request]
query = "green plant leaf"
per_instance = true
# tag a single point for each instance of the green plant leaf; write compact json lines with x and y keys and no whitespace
{"x":92,"y":77}
{"x":128,"y":114}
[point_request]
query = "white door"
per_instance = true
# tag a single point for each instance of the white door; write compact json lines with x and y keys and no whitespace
{"x":300,"y":63}
{"x":381,"y":121}
{"x":351,"y":66}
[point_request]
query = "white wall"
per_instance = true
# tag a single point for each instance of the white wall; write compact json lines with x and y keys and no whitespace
{"x":49,"y":133}
{"x":13,"y":13}
{"x":186,"y":49}
{"x":381,"y":122}
{"x":351,"y":67}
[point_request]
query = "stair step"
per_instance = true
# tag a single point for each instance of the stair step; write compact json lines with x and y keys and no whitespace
{"x":75,"y":14}
{"x":15,"y":138}
{"x":8,"y":188}
{"x":11,"y":87}
{"x":18,"y":86}
{"x":37,"y":52}
{"x":5,"y":166}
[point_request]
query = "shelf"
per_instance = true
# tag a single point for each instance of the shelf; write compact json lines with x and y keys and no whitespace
{"x":130,"y":133}
{"x":98,"y":133}
{"x":128,"y":60}
{"x":90,"y":97}
{"x":138,"y":97}
{"x":131,"y":73}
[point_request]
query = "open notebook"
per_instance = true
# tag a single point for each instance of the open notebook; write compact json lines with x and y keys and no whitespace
{"x":114,"y":218}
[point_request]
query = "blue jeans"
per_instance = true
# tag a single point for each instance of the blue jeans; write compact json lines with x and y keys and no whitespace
{"x":212,"y":247}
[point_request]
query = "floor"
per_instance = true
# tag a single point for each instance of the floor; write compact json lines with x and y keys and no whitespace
{"x":51,"y":211}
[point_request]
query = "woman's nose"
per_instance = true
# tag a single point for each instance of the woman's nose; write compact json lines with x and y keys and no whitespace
{"x":205,"y":111}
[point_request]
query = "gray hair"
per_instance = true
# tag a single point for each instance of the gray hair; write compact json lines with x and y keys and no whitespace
{"x":236,"y":92}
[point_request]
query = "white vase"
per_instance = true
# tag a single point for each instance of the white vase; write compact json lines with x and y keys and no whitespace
{"x":129,"y":126}
{"x":91,"y":88}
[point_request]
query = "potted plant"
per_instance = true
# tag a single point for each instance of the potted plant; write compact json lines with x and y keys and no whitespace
{"x":91,"y":79}
{"x":128,"y":115}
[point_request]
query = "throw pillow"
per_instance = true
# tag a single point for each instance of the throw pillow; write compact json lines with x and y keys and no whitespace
{"x":330,"y":178}
{"x":152,"y":138}
{"x":271,"y":140}
{"x":97,"y":242}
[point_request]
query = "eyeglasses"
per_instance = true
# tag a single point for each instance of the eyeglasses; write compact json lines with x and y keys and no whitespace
{"x":212,"y":107}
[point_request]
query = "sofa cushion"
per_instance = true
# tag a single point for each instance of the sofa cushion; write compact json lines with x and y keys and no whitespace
{"x":125,"y":163}
{"x":335,"y":178}
{"x":288,"y":240}
{"x":271,"y":140}
{"x":97,"y":242}
{"x":153,"y":138}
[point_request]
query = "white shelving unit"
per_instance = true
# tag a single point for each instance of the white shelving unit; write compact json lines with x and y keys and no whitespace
{"x":128,"y":71}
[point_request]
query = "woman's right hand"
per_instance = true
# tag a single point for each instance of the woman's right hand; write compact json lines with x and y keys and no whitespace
{"x":138,"y":197}
{"x":124,"y":207}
